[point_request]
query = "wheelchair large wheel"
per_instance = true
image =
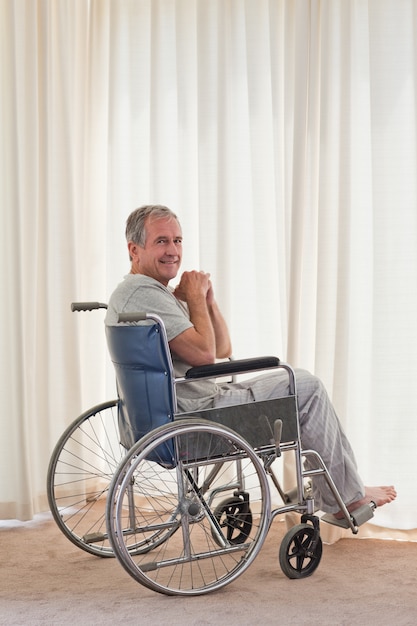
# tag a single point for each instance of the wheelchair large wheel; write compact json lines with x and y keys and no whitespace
{"x":80,"y":470}
{"x":300,"y":551}
{"x":180,"y":502}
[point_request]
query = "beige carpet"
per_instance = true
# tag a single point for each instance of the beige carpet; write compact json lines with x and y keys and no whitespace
{"x":45,"y":580}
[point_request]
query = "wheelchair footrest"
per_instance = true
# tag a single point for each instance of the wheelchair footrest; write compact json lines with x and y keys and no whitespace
{"x":363,"y":514}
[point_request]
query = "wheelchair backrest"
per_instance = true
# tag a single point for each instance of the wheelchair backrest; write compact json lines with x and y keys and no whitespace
{"x":144,"y":378}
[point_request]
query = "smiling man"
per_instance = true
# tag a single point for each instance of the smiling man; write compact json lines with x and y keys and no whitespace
{"x":197,"y":335}
{"x":196,"y":330}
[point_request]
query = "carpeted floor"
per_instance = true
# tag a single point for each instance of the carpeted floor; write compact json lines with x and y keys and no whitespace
{"x":45,"y":580}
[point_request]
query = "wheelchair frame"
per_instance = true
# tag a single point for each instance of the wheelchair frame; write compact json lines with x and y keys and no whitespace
{"x":159,"y":505}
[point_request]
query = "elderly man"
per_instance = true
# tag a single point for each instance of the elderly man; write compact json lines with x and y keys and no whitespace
{"x":198,"y":334}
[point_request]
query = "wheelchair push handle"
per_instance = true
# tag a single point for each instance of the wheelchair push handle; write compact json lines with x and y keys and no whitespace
{"x":137,"y":316}
{"x":87,"y":306}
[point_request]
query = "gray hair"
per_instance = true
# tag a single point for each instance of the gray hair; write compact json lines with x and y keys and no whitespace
{"x":135,"y":224}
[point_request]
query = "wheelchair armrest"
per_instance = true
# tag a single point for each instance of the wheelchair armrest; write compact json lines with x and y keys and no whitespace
{"x":240,"y":366}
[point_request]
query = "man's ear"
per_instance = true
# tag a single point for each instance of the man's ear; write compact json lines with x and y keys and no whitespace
{"x":133,"y":250}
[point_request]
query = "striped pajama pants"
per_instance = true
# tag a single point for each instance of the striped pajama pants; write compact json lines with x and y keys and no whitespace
{"x":320,"y":430}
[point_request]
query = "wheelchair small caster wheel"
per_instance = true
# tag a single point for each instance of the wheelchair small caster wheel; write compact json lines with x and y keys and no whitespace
{"x":235,"y":518}
{"x":300,"y":551}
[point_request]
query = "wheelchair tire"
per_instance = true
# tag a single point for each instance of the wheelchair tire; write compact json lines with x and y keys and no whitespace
{"x":81,"y":467}
{"x":184,"y":498}
{"x":300,"y":551}
{"x":235,"y":517}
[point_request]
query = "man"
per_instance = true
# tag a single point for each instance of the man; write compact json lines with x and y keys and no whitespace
{"x":197,"y":335}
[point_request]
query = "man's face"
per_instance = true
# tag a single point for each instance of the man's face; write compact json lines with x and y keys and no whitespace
{"x":161,"y":257}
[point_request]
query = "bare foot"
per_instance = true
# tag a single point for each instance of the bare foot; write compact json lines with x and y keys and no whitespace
{"x":378,"y":495}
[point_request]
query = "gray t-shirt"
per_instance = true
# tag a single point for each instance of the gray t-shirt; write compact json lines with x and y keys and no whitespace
{"x":142,"y":293}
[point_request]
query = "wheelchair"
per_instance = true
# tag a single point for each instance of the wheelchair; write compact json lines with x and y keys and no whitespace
{"x":183,"y":500}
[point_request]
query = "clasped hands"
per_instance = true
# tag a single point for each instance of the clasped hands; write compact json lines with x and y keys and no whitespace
{"x":193,"y":285}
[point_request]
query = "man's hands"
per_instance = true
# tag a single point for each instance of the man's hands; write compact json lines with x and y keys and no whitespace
{"x":194,"y":285}
{"x":209,"y":337}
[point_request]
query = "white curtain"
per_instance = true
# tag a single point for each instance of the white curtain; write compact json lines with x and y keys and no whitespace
{"x":282,"y":132}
